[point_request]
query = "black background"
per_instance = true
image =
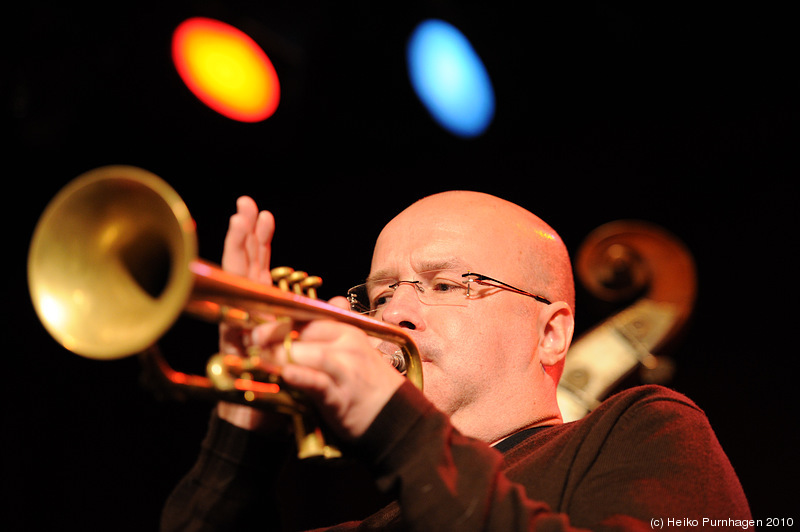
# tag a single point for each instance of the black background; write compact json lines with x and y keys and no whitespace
{"x":672,"y":113}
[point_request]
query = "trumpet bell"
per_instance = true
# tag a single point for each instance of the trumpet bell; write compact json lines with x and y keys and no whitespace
{"x":113,"y":264}
{"x":108,"y":265}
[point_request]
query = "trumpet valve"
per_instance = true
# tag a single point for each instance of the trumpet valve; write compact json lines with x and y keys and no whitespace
{"x":301,"y":283}
{"x":295,"y":280}
{"x":309,"y":285}
{"x":280,"y":276}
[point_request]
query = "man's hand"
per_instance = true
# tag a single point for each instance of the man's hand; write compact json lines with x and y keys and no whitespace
{"x":336,"y":365}
{"x":340,"y":369}
{"x":246,"y":252}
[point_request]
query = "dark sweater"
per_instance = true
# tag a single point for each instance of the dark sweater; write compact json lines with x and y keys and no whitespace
{"x":646,"y":456}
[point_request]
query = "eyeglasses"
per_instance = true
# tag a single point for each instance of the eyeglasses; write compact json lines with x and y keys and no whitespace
{"x":437,"y":287}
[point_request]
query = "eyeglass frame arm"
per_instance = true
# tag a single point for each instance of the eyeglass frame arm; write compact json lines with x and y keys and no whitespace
{"x":485,"y":280}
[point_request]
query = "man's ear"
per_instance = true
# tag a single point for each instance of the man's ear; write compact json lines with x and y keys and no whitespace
{"x":556,"y":326}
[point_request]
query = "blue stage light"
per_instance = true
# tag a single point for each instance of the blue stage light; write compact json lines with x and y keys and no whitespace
{"x":450,"y":79}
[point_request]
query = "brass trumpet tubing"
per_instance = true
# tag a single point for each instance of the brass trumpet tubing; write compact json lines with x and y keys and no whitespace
{"x":239,"y":390}
{"x":263,"y":302}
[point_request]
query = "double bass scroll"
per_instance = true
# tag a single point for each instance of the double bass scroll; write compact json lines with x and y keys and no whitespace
{"x":617,"y":262}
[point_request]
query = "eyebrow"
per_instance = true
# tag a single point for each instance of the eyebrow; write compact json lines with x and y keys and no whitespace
{"x":426,"y":266}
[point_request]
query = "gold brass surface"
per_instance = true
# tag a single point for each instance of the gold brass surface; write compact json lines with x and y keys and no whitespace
{"x":113,"y":264}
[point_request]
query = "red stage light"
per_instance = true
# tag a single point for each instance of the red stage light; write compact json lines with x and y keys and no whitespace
{"x":225,"y":69}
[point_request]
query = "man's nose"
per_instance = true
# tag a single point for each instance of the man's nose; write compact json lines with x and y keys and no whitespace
{"x":403,"y":309}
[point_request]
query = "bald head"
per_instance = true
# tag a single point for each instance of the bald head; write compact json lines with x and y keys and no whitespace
{"x":509,"y":235}
{"x":483,"y":359}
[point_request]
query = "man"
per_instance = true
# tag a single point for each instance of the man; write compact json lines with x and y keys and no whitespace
{"x":485,"y":289}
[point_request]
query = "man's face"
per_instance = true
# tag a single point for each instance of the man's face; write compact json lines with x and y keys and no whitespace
{"x":475,"y":353}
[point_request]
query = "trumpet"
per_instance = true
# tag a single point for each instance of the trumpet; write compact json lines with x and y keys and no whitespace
{"x":113,"y":264}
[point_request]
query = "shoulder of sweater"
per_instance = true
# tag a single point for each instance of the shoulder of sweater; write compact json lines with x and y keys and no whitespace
{"x":646,"y":402}
{"x":640,"y":409}
{"x":650,"y":405}
{"x":647,"y":395}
